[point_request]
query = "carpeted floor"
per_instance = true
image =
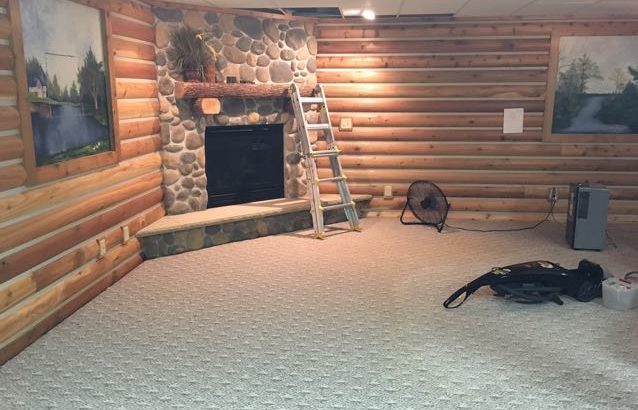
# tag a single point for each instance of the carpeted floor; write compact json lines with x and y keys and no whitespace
{"x":351,"y":322}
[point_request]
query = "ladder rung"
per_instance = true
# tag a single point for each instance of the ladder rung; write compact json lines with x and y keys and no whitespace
{"x":337,"y":206}
{"x":311,"y":100}
{"x":315,"y":127}
{"x":325,"y":153}
{"x":333,"y":179}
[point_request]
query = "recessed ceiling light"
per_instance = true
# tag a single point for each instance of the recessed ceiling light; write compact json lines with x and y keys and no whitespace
{"x":368,"y":14}
{"x":351,"y":12}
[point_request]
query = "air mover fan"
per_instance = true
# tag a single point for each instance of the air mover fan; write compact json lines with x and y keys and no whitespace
{"x":428,"y":204}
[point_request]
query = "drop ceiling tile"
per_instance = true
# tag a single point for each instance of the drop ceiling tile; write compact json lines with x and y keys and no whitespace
{"x":380,"y":7}
{"x":554,"y":8}
{"x":489,"y":8}
{"x":241,"y":4}
{"x":431,"y":6}
{"x":612,"y":7}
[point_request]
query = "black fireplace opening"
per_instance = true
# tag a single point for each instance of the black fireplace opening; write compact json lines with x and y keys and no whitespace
{"x":244,"y":163}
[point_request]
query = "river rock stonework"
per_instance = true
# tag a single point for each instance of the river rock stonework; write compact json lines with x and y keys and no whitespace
{"x":250,"y":49}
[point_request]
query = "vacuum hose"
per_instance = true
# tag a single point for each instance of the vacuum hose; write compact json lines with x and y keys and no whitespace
{"x":465,"y":289}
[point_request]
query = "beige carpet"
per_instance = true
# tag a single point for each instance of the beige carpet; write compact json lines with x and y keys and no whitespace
{"x":351,"y":322}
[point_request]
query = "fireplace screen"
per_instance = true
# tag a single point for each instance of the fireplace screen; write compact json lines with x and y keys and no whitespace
{"x":244,"y":163}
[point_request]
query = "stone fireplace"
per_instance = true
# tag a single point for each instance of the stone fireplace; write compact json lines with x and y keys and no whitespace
{"x":244,"y":163}
{"x":253,"y":50}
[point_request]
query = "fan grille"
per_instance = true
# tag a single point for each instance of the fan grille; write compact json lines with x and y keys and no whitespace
{"x":428,"y":203}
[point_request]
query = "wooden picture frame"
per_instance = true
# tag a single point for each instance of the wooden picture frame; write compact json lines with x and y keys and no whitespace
{"x":552,"y":72}
{"x":42,"y":174}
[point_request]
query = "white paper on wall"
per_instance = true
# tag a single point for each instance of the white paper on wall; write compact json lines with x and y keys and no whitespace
{"x":513,"y":120}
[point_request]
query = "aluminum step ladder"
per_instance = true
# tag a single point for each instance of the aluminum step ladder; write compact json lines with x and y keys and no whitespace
{"x":317,"y":207}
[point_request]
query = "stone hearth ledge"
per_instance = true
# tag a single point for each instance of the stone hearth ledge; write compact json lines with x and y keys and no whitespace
{"x":176,"y":234}
{"x":235,"y":213}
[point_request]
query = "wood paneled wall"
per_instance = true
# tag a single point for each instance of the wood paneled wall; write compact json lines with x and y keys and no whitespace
{"x":427,"y":101}
{"x":49,"y":263}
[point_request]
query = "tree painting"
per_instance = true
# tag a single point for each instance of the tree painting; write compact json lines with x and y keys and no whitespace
{"x":596,"y":88}
{"x":66,"y":79}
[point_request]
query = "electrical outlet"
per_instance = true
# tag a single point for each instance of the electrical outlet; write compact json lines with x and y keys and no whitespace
{"x":552,"y":194}
{"x":387,"y":192}
{"x":126,"y":235}
{"x":345,"y":124}
{"x":102,"y":244}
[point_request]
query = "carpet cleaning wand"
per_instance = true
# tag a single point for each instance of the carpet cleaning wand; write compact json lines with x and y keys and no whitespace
{"x":536,"y":282}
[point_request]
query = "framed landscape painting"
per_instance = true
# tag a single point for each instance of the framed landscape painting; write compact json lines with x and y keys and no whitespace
{"x":68,"y":91}
{"x":595,"y":86}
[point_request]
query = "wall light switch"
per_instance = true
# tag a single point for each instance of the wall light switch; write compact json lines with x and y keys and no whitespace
{"x":387,"y":192}
{"x":345,"y":124}
{"x":102,"y":244}
{"x":125,"y":234}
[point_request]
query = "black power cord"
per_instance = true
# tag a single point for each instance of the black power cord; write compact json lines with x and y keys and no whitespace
{"x":550,"y":213}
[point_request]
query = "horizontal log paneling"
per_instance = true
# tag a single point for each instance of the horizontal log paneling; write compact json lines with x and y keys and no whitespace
{"x":15,"y":262}
{"x":51,"y":194}
{"x":134,"y":10}
{"x":49,"y":263}
{"x":483,"y":191}
{"x":26,"y":284}
{"x":488,"y":148}
{"x":518,"y":219}
{"x":9,"y":118}
{"x":12,"y":176}
{"x":32,"y":228}
{"x":5,"y":26}
{"x":434,"y":90}
{"x":431,"y":76}
{"x":435,"y":61}
{"x":482,"y":163}
{"x":426,"y":100}
{"x":485,"y":177}
{"x":8,"y":87}
{"x":138,"y":108}
{"x":38,"y":305}
{"x":6,"y":58}
{"x":427,"y":134}
{"x":431,"y":105}
{"x":132,"y":49}
{"x":140,"y":146}
{"x":395,"y":119}
{"x":11,"y":148}
{"x":74,"y":166}
{"x":135,"y":89}
{"x":503,"y":205}
{"x":139,"y":127}
{"x":474,"y":29}
{"x":31,"y":333}
{"x":132,"y":29}
{"x":134,"y":69}
{"x":433,"y":46}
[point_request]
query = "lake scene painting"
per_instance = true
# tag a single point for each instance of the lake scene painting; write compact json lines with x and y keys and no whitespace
{"x":66,"y":78}
{"x":597,"y":86}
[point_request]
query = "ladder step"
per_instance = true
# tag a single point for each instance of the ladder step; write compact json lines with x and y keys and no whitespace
{"x":311,"y":100}
{"x":337,"y":206}
{"x":317,"y":127}
{"x":325,"y":153}
{"x":333,"y":179}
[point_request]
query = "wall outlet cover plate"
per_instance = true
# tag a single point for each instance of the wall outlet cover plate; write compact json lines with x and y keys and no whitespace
{"x":345,"y":124}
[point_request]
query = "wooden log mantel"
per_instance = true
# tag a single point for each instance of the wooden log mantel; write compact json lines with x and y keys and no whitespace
{"x":215,"y":90}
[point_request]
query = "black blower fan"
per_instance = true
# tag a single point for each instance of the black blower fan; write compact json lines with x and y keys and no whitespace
{"x":428,"y":204}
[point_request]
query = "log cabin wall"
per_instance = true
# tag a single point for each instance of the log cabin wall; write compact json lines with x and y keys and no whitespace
{"x":49,"y":263}
{"x":427,"y":100}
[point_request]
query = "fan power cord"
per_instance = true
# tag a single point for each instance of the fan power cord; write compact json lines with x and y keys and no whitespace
{"x":550,"y":213}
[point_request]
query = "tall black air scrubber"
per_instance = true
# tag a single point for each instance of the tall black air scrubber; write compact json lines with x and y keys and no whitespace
{"x":587,"y":216}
